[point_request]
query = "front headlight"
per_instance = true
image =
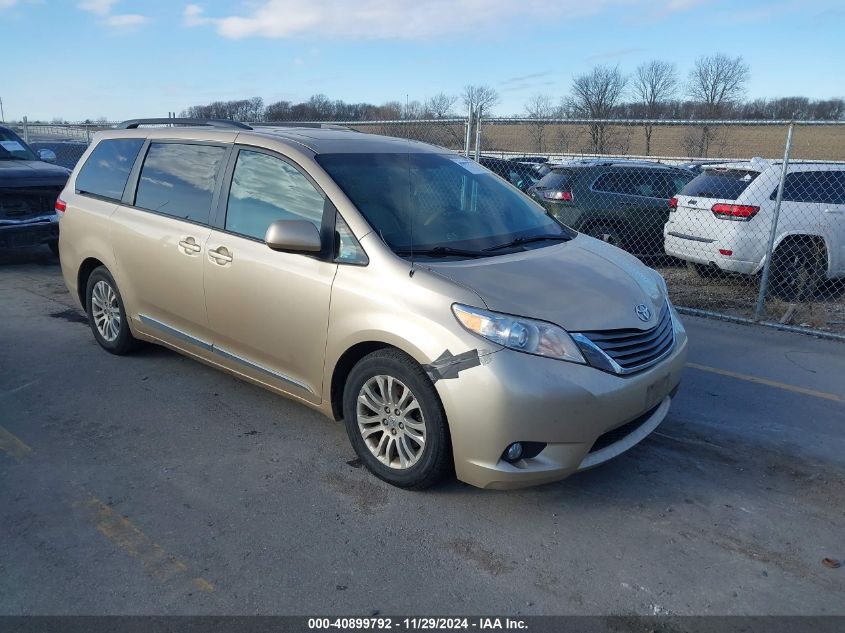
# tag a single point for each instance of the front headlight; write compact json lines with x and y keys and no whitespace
{"x":523,"y":335}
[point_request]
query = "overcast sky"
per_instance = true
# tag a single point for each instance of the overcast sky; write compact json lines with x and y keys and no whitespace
{"x":129,"y":58}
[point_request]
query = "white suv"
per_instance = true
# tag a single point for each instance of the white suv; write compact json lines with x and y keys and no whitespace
{"x":722,"y":220}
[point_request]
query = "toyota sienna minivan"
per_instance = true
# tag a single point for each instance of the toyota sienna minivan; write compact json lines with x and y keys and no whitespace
{"x":439,"y":312}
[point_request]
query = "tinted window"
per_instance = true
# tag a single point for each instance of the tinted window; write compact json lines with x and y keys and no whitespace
{"x":614,"y":182}
{"x":676,"y":182}
{"x":107,"y":169}
{"x":726,"y":184}
{"x":178,"y":180}
{"x":814,"y":186}
{"x":422,"y":201}
{"x":12,"y":147}
{"x":265,"y":189}
{"x":557,"y":180}
{"x":646,"y":183}
{"x":837,"y":195}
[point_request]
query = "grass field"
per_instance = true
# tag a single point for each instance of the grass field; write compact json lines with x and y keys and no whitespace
{"x":826,"y":142}
{"x":727,"y":141}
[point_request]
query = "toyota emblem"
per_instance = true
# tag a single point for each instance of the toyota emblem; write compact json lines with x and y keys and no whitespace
{"x":643,"y":312}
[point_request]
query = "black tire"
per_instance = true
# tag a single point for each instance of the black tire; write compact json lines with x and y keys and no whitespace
{"x":796,"y":271}
{"x":703,"y":270}
{"x":54,"y":246}
{"x":124,"y":342}
{"x":435,"y":461}
{"x":606,"y":233}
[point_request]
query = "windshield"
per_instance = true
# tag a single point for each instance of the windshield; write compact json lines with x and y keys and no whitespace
{"x":12,"y":147}
{"x":422,"y":202}
{"x":726,"y":184}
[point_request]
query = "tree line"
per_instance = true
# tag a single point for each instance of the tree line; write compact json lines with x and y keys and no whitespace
{"x":714,"y":89}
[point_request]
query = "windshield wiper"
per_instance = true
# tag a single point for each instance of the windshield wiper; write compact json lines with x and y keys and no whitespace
{"x":440,"y":251}
{"x":527,"y":240}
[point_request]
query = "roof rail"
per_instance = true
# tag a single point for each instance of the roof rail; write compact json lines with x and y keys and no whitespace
{"x":133,"y":124}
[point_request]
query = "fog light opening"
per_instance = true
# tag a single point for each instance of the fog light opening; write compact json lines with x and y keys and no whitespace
{"x":513,"y":453}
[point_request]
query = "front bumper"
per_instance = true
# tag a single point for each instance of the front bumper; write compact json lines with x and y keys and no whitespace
{"x":34,"y":233}
{"x":516,"y":397}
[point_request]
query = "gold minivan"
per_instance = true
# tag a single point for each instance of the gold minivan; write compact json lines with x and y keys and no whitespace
{"x":400,"y":287}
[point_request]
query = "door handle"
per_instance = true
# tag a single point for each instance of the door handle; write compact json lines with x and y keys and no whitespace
{"x":189,"y":245}
{"x":832,"y":211}
{"x":221,"y":255}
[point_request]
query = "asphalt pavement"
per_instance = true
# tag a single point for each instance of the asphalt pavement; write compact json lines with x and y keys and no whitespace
{"x":151,"y":484}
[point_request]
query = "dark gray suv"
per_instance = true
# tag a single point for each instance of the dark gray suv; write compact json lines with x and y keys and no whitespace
{"x":625,"y":203}
{"x":29,"y":186}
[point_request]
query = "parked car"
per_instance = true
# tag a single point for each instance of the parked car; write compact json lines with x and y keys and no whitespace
{"x":520,"y":175}
{"x":722,"y":221}
{"x":29,"y":186}
{"x":67,"y":153}
{"x":536,"y":160}
{"x":622,"y":202}
{"x":698,"y":165}
{"x":377,"y":280}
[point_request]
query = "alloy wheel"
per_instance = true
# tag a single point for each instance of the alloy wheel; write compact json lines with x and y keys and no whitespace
{"x":391,"y":422}
{"x":105,"y":310}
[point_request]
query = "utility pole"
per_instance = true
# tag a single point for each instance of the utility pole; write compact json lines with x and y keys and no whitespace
{"x":2,"y":115}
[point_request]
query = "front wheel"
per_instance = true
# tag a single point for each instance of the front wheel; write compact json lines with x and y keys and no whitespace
{"x":395,"y":420}
{"x":106,"y":314}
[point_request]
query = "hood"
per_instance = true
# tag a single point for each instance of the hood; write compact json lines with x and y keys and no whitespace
{"x":581,"y":285}
{"x":22,"y":173}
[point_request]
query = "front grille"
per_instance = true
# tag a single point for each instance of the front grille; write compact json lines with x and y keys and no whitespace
{"x":631,"y":350}
{"x":27,"y":202}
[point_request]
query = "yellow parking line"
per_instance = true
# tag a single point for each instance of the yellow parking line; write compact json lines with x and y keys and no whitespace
{"x":769,"y":383}
{"x":13,"y":446}
{"x":156,"y":561}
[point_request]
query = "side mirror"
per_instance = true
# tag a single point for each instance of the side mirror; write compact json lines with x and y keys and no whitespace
{"x":294,"y":236}
{"x":47,"y":155}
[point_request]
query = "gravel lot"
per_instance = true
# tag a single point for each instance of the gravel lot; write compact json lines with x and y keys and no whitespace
{"x":152,"y":484}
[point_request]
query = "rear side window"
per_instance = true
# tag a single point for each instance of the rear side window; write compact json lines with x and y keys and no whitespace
{"x":814,"y":186}
{"x":107,"y":169}
{"x":178,"y":180}
{"x":557,"y":180}
{"x":726,"y":184}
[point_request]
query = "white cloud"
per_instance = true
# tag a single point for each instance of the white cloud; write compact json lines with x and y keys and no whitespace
{"x":397,"y":19}
{"x":103,"y":8}
{"x":100,"y":7}
{"x":193,"y":15}
{"x":125,"y":20}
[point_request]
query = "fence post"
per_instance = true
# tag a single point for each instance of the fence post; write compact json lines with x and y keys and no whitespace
{"x":25,"y":131}
{"x":478,"y":134}
{"x":469,"y":132}
{"x":767,"y":266}
{"x":88,"y":133}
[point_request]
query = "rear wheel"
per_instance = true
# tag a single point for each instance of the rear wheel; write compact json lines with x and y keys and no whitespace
{"x":606,"y":233}
{"x":395,"y":420}
{"x":106,"y":314}
{"x":796,"y":271}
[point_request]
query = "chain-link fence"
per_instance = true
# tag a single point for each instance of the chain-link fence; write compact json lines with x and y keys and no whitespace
{"x":745,"y":220}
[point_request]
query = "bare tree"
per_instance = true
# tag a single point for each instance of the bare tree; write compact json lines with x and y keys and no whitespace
{"x":594,"y":96}
{"x":654,"y":84}
{"x":440,"y":105}
{"x":717,"y":83}
{"x":540,"y":109}
{"x":484,"y":97}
